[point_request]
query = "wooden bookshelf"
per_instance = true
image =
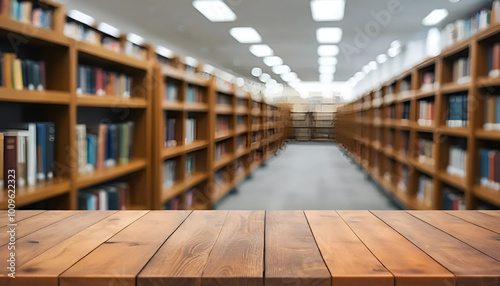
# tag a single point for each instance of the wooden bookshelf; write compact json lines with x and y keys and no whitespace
{"x":355,"y":119}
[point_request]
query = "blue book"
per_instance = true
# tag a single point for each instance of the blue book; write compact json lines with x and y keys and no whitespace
{"x":484,"y":163}
{"x":109,"y":157}
{"x":41,"y":151}
{"x":190,"y":94}
{"x":464,"y":116}
{"x":453,"y":111}
{"x":91,"y":150}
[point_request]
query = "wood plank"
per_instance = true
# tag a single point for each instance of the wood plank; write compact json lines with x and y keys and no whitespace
{"x":110,"y":263}
{"x":20,"y":215}
{"x":492,"y":213}
{"x":182,"y":259}
{"x":237,"y":258}
{"x":482,"y":219}
{"x":39,"y":241}
{"x":481,"y":239}
{"x":292,"y":256}
{"x":45,"y":269}
{"x":408,"y":264}
{"x":469,"y":266}
{"x":34,"y":223}
{"x":349,"y":261}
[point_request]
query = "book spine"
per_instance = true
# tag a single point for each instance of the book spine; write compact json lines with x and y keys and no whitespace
{"x":21,"y":161}
{"x":41,"y":151}
{"x":10,"y":159}
{"x":2,"y":142}
{"x":51,"y":141}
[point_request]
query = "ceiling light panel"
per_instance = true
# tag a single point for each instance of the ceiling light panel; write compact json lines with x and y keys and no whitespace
{"x":328,"y":50}
{"x":329,"y":35}
{"x":261,"y":50}
{"x":435,"y":17}
{"x":215,"y":10}
{"x":326,"y":69}
{"x":327,"y":61}
{"x":281,"y":69}
{"x":273,"y":61}
{"x":245,"y":35}
{"x":327,"y":10}
{"x":81,"y":17}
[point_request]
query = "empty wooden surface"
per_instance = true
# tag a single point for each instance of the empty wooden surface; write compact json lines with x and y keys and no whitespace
{"x":254,"y":248}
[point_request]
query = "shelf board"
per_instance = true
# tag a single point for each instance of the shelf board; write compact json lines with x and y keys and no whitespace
{"x":401,"y":158}
{"x":238,"y":178}
{"x":194,"y":146}
{"x":180,"y":187}
{"x":487,"y":194}
{"x":257,"y":127}
{"x":240,"y":130}
{"x":418,"y":205}
{"x":196,"y":79}
{"x":255,"y":112}
{"x":226,"y":159}
{"x":405,"y":95}
{"x":452,"y":87}
{"x":241,"y":110}
{"x":223,"y":109}
{"x":32,"y":32}
{"x":222,"y":135}
{"x":220,"y":191}
{"x":427,"y":93}
{"x":40,"y":191}
{"x":111,"y":56}
{"x":426,"y":168}
{"x":110,"y":101}
{"x":456,"y":131}
{"x":488,"y":134}
{"x":196,"y":106}
{"x":457,"y":47}
{"x":225,"y":89}
{"x":170,"y":152}
{"x":389,"y":152}
{"x":171,"y":72}
{"x":455,"y":181}
{"x":241,"y":152}
{"x":106,"y":174}
{"x":487,"y":81}
{"x":254,"y":146}
{"x":172,"y":105}
{"x":422,"y":128}
{"x":32,"y":96}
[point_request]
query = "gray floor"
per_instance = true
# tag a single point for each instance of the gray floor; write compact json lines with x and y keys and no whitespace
{"x":307,"y":176}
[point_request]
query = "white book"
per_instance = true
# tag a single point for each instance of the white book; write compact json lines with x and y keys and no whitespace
{"x":31,"y":159}
{"x":21,"y":158}
{"x":103,"y":200}
{"x":81,"y":136}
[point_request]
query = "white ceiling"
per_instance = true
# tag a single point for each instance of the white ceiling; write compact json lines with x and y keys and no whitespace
{"x":285,"y":25}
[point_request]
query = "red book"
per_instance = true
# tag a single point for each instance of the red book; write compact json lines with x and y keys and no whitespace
{"x":497,"y":167}
{"x":99,"y":82}
{"x":491,"y":162}
{"x":496,"y":56}
{"x":10,"y":159}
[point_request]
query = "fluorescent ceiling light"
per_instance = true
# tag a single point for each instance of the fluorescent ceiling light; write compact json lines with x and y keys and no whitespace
{"x":135,"y":39}
{"x":245,"y":35}
{"x":240,"y":82}
{"x":396,"y":44}
{"x":271,"y":82}
{"x":273,"y":61}
{"x":208,"y":69}
{"x":81,"y":17}
{"x":327,"y":61}
{"x":326,"y":69}
{"x":261,"y":50}
{"x":328,"y":50}
{"x":264,"y":77}
{"x":382,"y":58}
{"x":366,"y":69}
{"x":329,"y":35}
{"x":281,"y":69}
{"x":326,"y":78}
{"x":289,"y":76}
{"x":435,"y":17}
{"x":108,"y":29}
{"x":372,"y":65}
{"x":392,"y":52}
{"x":327,"y":10}
{"x":256,"y":71}
{"x":215,"y":10}
{"x":359,"y":76}
{"x":164,"y":52}
{"x":192,"y":62}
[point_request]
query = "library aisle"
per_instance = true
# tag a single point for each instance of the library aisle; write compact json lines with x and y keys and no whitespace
{"x":312,"y":176}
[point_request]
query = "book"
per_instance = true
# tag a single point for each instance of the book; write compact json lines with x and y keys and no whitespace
{"x":1,"y":160}
{"x":81,"y":137}
{"x":112,"y":196}
{"x":453,"y":199}
{"x":17,"y":74}
{"x":100,"y":82}
{"x":169,"y":173}
{"x":10,"y":157}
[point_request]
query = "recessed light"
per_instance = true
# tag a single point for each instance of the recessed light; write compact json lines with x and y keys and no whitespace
{"x":261,"y":50}
{"x":328,"y":50}
{"x":81,"y":17}
{"x":396,"y":44}
{"x":164,"y":52}
{"x":289,"y":76}
{"x":264,"y":77}
{"x":366,"y":69}
{"x":329,"y":35}
{"x":273,"y":61}
{"x":372,"y":65}
{"x":382,"y":58}
{"x":392,"y":52}
{"x":215,"y":10}
{"x":135,"y":39}
{"x":327,"y":10}
{"x":327,"y":61}
{"x":108,"y":29}
{"x":281,"y":69}
{"x":256,"y":71}
{"x":326,"y":78}
{"x":240,"y":82}
{"x":435,"y":17}
{"x":326,"y":69}
{"x":245,"y":35}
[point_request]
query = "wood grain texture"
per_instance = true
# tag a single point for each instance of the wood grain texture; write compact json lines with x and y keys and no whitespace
{"x":349,"y":261}
{"x":183,"y":257}
{"x":45,"y":269}
{"x":19,"y":216}
{"x":111,"y":263}
{"x":292,"y":256}
{"x":481,"y":239}
{"x":482,"y":219}
{"x":408,"y":264}
{"x":469,"y":266}
{"x":39,"y":241}
{"x":237,"y":258}
{"x":34,"y":223}
{"x":492,"y":213}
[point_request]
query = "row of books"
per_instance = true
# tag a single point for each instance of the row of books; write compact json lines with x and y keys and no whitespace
{"x":461,"y":70}
{"x":29,"y":151}
{"x":103,"y":145}
{"x":428,"y":81}
{"x":256,"y":136}
{"x":169,"y":135}
{"x":457,"y":106}
{"x":195,"y":94}
{"x":426,"y":112}
{"x":22,"y":73}
{"x":220,"y":149}
{"x":239,"y":167}
{"x":457,"y":160}
{"x":406,"y":85}
{"x":221,"y":177}
{"x":222,"y":123}
{"x":81,"y":32}
{"x":241,"y":142}
{"x":190,"y":130}
{"x":241,"y":102}
{"x":425,"y":151}
{"x":405,"y":138}
{"x":453,"y":199}
{"x":28,"y":12}
{"x":489,"y":168}
{"x":241,"y":120}
{"x":464,"y":28}
{"x":190,"y":164}
{"x":492,"y":112}
{"x":425,"y":190}
{"x":93,"y":80}
{"x":135,"y":51}
{"x":404,"y":110}
{"x":404,"y":179}
{"x":169,"y":171}
{"x":493,"y":60}
{"x":111,"y":196}
{"x":223,"y":99}
{"x":179,"y":203}
{"x":391,"y":112}
{"x":171,"y":91}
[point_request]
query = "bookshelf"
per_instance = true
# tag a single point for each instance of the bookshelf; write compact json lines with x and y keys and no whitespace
{"x":447,"y":113}
{"x":136,"y":105}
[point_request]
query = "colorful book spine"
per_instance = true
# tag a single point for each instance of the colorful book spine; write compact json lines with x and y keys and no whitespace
{"x":457,"y":115}
{"x":489,"y":168}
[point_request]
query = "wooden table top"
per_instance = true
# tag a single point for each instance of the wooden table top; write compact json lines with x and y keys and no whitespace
{"x":233,"y":248}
